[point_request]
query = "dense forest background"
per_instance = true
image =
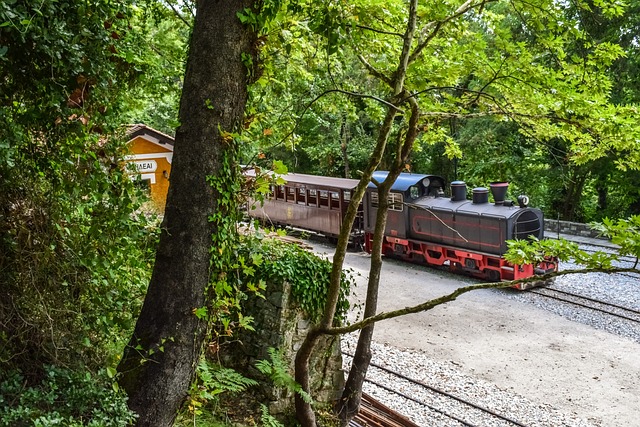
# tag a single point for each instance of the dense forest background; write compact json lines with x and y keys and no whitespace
{"x":295,"y":116}
{"x":76,"y":243}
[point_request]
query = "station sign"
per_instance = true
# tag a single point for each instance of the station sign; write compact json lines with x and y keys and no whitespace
{"x":146,"y":166}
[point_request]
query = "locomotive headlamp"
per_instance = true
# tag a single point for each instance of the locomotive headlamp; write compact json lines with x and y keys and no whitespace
{"x":426,"y":182}
{"x":523,"y":201}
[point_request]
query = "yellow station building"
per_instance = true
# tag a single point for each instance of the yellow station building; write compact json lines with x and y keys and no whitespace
{"x":152,"y":154}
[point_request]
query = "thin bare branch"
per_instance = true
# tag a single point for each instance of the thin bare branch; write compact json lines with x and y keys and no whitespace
{"x":373,"y":71}
{"x":375,"y":30}
{"x":178,"y":14}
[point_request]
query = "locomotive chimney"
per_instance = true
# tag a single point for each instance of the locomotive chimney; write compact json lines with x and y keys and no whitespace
{"x":499,"y":191}
{"x":480,"y":195}
{"x":458,"y":191}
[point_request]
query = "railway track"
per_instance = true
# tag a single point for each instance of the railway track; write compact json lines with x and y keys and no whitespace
{"x":608,"y":308}
{"x":604,"y":247}
{"x":375,"y":414}
{"x":465,"y":405}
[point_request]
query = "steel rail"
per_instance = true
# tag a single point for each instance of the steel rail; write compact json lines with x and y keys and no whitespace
{"x":420,"y":402}
{"x":542,"y":292}
{"x":439,"y":391}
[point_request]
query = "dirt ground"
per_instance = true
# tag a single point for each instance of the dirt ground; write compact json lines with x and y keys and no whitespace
{"x":517,"y":346}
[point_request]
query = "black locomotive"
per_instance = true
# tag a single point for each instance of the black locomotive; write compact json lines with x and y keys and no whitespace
{"x":468,"y":235}
{"x":423,"y":225}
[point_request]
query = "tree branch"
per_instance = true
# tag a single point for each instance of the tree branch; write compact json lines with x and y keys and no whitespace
{"x":179,"y":15}
{"x":432,"y":28}
{"x":428,"y":305}
{"x":374,"y":72}
{"x":391,"y":33}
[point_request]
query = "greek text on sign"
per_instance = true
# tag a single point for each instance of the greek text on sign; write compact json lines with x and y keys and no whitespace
{"x":143,"y":166}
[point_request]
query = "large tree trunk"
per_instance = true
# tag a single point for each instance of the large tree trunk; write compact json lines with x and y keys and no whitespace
{"x":159,"y":362}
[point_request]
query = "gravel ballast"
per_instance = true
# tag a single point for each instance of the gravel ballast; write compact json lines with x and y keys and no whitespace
{"x":538,"y":363}
{"x":448,"y":378}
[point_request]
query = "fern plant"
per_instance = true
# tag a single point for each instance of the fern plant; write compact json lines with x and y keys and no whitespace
{"x":267,"y":419}
{"x":212,"y":380}
{"x":277,"y":371}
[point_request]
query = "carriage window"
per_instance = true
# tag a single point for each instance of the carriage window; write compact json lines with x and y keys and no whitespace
{"x":280,"y":192}
{"x":313,"y":200}
{"x":414,"y":192}
{"x":301,"y":195}
{"x":324,"y":198}
{"x":346,"y":196}
{"x":291,"y":194}
{"x":335,"y":200}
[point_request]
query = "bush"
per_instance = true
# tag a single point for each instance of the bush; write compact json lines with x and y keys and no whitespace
{"x":63,"y":398}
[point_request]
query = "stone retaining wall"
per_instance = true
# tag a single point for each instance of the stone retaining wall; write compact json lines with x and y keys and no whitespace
{"x":283,"y":326}
{"x":572,"y":228}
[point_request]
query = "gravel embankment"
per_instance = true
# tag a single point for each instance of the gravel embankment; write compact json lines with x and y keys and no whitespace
{"x":621,"y":288}
{"x":447,"y":377}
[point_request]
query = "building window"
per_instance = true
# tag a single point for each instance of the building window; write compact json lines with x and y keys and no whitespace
{"x":143,"y":185}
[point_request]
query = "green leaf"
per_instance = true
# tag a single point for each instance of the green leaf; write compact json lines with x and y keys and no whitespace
{"x":201,"y":313}
{"x":111,"y":372}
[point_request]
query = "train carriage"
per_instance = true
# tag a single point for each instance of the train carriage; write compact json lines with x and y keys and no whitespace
{"x":309,"y":202}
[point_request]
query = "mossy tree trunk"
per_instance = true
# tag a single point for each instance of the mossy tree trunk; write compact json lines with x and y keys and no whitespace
{"x":159,"y":362}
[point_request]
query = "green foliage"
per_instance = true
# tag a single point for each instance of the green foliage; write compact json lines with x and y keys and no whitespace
{"x":225,"y":292}
{"x":76,"y":255}
{"x":267,"y":419}
{"x":534,"y":250}
{"x":155,"y":99}
{"x":212,"y":380}
{"x":75,"y":246}
{"x":307,"y":273}
{"x":278,"y":372}
{"x":260,"y":20}
{"x":524,"y":92}
{"x":63,"y":398}
{"x":623,"y":232}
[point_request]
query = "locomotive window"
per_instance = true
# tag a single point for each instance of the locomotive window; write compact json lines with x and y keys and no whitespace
{"x":395,"y":202}
{"x":414,"y":191}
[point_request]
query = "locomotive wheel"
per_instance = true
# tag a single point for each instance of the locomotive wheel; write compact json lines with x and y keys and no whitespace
{"x":492,"y":275}
{"x":470,"y":263}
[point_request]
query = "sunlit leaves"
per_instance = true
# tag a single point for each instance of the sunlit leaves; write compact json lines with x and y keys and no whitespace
{"x":623,"y":232}
{"x":533,"y":251}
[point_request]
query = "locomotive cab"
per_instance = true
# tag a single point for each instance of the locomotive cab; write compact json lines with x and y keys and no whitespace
{"x":406,"y":190}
